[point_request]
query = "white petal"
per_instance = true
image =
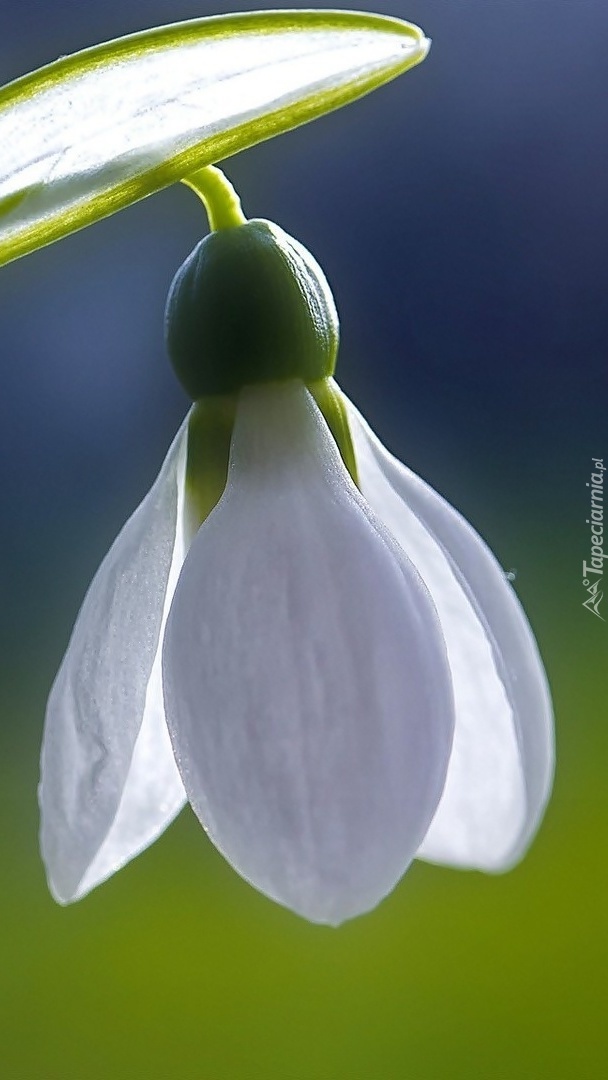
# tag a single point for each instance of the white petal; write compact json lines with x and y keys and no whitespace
{"x":501,"y":770}
{"x":306,"y":685}
{"x":109,"y":784}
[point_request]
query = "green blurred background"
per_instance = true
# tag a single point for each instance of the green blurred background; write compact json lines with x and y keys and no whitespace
{"x":461,"y":217}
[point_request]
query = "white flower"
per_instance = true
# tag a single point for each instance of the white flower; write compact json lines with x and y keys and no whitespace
{"x":337,"y":680}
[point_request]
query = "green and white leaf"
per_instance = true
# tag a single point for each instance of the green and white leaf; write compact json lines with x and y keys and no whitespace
{"x":94,"y":132}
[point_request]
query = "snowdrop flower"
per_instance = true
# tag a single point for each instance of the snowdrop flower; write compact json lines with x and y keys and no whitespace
{"x":293,"y":631}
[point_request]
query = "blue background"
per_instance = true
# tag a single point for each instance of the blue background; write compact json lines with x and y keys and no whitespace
{"x":460,"y":214}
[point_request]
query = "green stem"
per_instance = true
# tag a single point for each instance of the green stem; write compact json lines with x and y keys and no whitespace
{"x":221,"y":201}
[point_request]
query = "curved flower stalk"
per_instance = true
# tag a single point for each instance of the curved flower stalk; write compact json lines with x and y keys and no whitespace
{"x":293,"y":631}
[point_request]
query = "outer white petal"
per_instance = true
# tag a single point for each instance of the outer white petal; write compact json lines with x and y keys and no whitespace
{"x":501,"y":770}
{"x":109,"y":784}
{"x":307,"y":691}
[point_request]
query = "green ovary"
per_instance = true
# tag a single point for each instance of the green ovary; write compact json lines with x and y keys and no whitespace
{"x":250,"y":305}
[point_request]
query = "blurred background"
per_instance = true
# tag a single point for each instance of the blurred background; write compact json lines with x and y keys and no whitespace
{"x":461,"y":216}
